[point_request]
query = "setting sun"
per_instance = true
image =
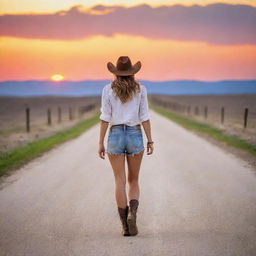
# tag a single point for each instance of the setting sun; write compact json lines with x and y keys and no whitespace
{"x":57,"y":77}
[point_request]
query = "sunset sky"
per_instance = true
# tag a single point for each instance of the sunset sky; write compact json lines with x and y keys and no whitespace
{"x":212,"y":40}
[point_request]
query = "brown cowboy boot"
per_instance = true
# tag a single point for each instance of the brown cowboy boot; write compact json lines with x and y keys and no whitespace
{"x":131,"y":219}
{"x":123,"y":212}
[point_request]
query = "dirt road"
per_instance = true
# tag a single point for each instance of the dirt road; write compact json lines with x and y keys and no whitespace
{"x":195,"y":199}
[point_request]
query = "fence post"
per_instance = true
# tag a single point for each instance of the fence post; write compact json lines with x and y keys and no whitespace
{"x":246,"y":110}
{"x":59,"y":114}
{"x":49,"y":116}
{"x":205,"y":112}
{"x":27,"y":119}
{"x":222,"y":114}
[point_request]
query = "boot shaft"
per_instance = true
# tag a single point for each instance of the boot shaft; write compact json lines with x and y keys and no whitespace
{"x":133,"y":203}
{"x":132,"y":216}
{"x":123,"y":213}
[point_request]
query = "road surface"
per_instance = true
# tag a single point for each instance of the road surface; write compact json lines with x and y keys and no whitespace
{"x":195,"y":199}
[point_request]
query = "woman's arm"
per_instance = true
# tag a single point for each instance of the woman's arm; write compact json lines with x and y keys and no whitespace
{"x":105,"y":118}
{"x":145,"y":118}
{"x":147,"y":128}
{"x":103,"y":130}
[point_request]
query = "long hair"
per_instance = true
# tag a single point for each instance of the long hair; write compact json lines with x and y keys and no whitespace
{"x":125,"y":87}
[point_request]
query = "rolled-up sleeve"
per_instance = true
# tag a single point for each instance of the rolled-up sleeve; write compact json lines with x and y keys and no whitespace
{"x":105,"y":106}
{"x":143,"y":110}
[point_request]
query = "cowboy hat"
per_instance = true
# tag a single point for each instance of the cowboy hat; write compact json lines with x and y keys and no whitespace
{"x":124,"y":67}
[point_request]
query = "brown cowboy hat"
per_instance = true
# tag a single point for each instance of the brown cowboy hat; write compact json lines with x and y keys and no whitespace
{"x":124,"y":67}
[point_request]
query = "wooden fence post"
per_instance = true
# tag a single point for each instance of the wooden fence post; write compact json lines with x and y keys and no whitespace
{"x":49,"y":116}
{"x":222,"y":115}
{"x":205,"y":112}
{"x":27,"y":119}
{"x":246,"y":110}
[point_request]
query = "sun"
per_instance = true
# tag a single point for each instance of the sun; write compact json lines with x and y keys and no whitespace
{"x":57,"y":77}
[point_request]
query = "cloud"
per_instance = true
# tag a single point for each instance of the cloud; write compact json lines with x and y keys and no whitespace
{"x":215,"y":23}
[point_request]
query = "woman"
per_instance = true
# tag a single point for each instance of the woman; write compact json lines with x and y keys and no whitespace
{"x":124,"y":105}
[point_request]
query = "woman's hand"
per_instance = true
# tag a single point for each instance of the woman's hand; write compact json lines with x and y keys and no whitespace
{"x":150,"y":148}
{"x":101,"y":151}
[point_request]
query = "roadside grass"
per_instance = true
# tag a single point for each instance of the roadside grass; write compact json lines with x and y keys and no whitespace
{"x":21,"y":155}
{"x":213,"y":132}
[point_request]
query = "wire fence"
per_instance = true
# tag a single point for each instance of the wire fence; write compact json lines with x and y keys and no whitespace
{"x":238,"y":113}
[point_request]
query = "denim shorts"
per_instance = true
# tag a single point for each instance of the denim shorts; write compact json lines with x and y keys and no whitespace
{"x":125,"y":140}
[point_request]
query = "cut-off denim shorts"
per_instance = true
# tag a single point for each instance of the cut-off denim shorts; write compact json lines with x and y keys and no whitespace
{"x":125,"y":140}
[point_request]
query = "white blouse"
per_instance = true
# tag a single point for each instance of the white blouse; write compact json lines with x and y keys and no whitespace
{"x":131,"y":113}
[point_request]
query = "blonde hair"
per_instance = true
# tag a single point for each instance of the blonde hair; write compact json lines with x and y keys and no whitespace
{"x":125,"y":87}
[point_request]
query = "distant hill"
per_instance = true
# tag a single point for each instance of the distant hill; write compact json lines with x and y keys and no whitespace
{"x":94,"y":87}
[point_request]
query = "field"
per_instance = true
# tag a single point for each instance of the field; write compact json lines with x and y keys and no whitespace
{"x":207,"y":108}
{"x":64,"y":113}
{"x":13,"y":123}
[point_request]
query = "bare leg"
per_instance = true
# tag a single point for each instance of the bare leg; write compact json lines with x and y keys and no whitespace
{"x":134,"y":163}
{"x":118,"y":165}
